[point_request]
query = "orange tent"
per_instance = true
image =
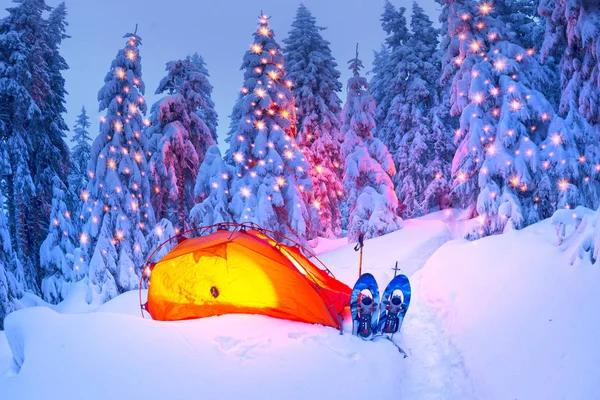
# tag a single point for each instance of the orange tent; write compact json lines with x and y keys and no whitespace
{"x":244,"y":271}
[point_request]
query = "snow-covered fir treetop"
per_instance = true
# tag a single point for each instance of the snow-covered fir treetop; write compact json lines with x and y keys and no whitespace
{"x":393,"y":23}
{"x":207,"y":113}
{"x":120,"y":144}
{"x":187,"y":78}
{"x":270,"y":169}
{"x":311,"y":67}
{"x":124,"y":72}
{"x":266,"y":85}
{"x":179,"y":139}
{"x":360,"y":109}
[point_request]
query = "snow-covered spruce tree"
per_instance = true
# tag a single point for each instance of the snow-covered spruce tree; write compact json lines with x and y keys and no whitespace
{"x":51,"y":152}
{"x":80,"y":158}
{"x":270,"y":170}
{"x":11,"y":286}
{"x":571,"y":157}
{"x":571,"y":153}
{"x":56,"y":252}
{"x":387,"y":79}
{"x":526,"y":29}
{"x":440,"y":152}
{"x":213,"y":189}
{"x":118,"y":210}
{"x":17,"y":109}
{"x":206,"y":111}
{"x":372,"y":202}
{"x":311,"y":67}
{"x":31,"y":103}
{"x":178,"y":139}
{"x":496,"y":167}
{"x":379,"y":83}
{"x":408,"y":120}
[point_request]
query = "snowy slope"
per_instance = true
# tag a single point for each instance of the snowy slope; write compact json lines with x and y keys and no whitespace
{"x":526,"y":321}
{"x":506,"y":317}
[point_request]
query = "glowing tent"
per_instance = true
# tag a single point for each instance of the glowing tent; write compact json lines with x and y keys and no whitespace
{"x":243,"y":271}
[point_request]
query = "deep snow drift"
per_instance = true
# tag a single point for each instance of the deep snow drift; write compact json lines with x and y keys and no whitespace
{"x":504,"y":317}
{"x":525,"y":319}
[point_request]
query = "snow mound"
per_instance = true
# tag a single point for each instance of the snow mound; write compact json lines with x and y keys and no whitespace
{"x":525,"y":320}
{"x":228,"y":357}
{"x":322,"y":245}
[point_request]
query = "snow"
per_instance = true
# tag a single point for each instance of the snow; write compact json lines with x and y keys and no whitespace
{"x":322,"y":245}
{"x":410,"y":246}
{"x":5,"y":353}
{"x":505,"y":317}
{"x":525,"y":320}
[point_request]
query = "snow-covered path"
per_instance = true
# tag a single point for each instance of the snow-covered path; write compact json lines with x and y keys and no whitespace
{"x":435,"y":368}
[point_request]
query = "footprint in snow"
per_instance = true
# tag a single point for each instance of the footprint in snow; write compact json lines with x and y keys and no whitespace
{"x":243,"y":348}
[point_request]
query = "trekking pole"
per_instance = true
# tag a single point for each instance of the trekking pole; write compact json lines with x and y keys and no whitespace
{"x":396,"y":269}
{"x":359,"y":246}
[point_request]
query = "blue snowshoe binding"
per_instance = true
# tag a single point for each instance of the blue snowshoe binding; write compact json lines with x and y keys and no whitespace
{"x":364,"y":303}
{"x":394,"y":308}
{"x":366,"y":309}
{"x":394,"y":305}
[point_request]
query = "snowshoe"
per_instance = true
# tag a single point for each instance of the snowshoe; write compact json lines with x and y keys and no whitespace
{"x":363,"y":306}
{"x":394,"y":305}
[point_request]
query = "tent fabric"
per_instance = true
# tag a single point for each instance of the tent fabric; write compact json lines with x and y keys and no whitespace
{"x":244,"y":271}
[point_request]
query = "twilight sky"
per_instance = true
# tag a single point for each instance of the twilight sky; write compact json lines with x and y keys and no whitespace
{"x":220,"y":30}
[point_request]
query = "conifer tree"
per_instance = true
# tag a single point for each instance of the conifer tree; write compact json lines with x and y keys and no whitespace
{"x":440,"y":152}
{"x":80,"y":158}
{"x":206,"y":111}
{"x":311,"y":67}
{"x":379,"y":83}
{"x":51,"y":151}
{"x":213,"y":190}
{"x":394,"y":24}
{"x":409,"y":118}
{"x":571,"y":153}
{"x":178,"y":140}
{"x":496,"y":167}
{"x":270,"y":170}
{"x":11,"y":273}
{"x":31,"y":105}
{"x":56,"y":252}
{"x":372,"y":202}
{"x":117,"y":209}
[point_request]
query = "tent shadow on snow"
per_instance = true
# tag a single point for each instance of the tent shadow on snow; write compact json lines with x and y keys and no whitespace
{"x":242,"y":271}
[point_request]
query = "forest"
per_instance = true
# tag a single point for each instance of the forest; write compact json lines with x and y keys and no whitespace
{"x":496,"y":112}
